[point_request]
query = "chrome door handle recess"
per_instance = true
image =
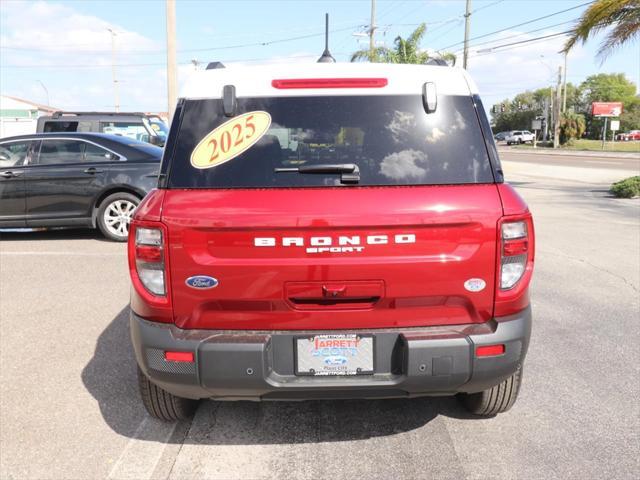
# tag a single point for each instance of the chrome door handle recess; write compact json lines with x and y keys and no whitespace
{"x":10,"y":174}
{"x":92,"y":170}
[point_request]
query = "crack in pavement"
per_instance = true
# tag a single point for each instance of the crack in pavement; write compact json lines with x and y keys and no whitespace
{"x":582,"y":260}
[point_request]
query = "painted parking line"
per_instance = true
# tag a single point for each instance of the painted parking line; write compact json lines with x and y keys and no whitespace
{"x":140,"y":457}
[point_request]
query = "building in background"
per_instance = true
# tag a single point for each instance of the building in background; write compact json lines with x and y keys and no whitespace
{"x":19,"y":117}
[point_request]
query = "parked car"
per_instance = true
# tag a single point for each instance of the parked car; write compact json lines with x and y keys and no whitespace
{"x":75,"y":179}
{"x":520,"y":136}
{"x":501,"y":136}
{"x":328,"y":235}
{"x":134,"y":125}
{"x":629,"y":136}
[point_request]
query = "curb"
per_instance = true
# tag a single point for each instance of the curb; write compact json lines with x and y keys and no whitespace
{"x":571,"y":153}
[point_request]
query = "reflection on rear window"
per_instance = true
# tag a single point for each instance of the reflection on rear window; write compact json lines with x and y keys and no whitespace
{"x":391,"y":139}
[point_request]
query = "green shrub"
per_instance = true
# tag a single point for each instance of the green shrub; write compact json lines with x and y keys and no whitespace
{"x":627,"y":188}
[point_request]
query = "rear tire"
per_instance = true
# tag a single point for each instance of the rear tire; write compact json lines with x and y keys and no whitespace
{"x":114,"y":215}
{"x":162,"y":404}
{"x":495,"y":400}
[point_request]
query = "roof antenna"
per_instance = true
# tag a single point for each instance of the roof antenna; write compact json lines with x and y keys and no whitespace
{"x":326,"y":55}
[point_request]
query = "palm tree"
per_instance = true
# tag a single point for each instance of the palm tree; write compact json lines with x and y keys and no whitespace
{"x":622,"y":15}
{"x":403,"y":51}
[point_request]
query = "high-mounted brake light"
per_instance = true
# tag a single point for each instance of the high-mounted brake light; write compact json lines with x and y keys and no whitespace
{"x":149,"y":257}
{"x":514,"y":248}
{"x":329,"y":83}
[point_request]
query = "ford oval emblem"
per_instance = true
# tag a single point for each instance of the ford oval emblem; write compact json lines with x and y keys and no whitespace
{"x":335,"y":360}
{"x":475,"y":284}
{"x":201,"y":282}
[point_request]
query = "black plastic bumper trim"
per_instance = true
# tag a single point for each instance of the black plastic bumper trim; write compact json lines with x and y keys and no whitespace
{"x":257,"y":365}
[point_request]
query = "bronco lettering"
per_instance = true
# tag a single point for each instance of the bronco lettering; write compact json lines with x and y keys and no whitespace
{"x":330,"y":244}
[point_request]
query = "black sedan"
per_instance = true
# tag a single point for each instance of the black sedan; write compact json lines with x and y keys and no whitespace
{"x":75,"y":179}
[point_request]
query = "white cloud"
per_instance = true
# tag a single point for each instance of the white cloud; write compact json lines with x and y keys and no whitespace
{"x":57,"y":40}
{"x":502,"y":74}
{"x":56,"y":29}
{"x":406,"y":164}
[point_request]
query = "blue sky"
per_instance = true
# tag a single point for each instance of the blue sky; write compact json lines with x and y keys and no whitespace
{"x":67,"y":46}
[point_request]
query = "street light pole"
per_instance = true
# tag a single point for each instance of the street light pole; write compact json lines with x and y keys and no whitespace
{"x":45,"y":91}
{"x":172,"y":74}
{"x":116,"y":87}
{"x":465,"y":52}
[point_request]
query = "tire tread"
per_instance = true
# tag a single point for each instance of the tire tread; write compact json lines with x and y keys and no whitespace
{"x":497,"y":399}
{"x":162,"y":404}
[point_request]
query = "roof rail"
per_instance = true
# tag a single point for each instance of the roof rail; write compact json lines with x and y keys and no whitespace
{"x":215,"y":65}
{"x":61,"y":113}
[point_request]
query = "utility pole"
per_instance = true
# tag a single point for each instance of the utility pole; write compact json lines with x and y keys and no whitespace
{"x":172,"y":72}
{"x":372,"y":31}
{"x":564,"y":85}
{"x":545,"y":134}
{"x":556,"y":126}
{"x":467,"y":16}
{"x":116,"y":86}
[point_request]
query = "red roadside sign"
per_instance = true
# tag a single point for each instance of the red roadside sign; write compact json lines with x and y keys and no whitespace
{"x":606,"y":109}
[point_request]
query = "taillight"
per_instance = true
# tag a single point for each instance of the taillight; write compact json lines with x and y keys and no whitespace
{"x":149,"y":259}
{"x":514,"y":252}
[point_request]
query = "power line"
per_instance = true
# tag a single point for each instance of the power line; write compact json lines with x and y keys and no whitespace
{"x":486,"y":6}
{"x":520,"y":34}
{"x":226,"y":47}
{"x":521,"y":43}
{"x":124,"y":65}
{"x":518,"y":25}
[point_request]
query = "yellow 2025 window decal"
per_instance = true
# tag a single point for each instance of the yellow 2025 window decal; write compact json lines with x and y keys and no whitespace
{"x":230,"y":139}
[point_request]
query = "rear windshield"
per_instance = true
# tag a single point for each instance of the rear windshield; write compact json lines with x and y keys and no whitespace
{"x":54,"y":127}
{"x":391,"y":139}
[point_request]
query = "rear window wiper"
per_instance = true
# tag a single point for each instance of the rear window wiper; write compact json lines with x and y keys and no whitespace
{"x":349,"y":172}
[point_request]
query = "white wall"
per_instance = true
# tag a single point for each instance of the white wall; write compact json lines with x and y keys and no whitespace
{"x":17,"y":126}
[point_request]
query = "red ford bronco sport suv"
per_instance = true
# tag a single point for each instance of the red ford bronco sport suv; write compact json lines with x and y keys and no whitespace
{"x":330,"y":231}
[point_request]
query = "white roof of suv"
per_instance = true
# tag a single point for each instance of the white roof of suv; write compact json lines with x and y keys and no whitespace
{"x":256,"y":81}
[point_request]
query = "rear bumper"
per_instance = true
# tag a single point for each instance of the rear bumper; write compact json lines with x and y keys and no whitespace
{"x":251,"y":365}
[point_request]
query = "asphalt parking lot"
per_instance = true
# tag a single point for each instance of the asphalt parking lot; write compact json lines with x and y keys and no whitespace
{"x":69,"y":404}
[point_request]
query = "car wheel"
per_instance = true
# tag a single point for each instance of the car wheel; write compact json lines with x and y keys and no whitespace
{"x":495,"y":400}
{"x":162,"y":404}
{"x":114,"y":215}
{"x":520,"y":141}
{"x":509,"y":143}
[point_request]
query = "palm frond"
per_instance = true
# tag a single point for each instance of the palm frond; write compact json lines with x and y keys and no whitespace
{"x":364,"y":55}
{"x":621,"y":34}
{"x":404,"y":50}
{"x":417,"y":34}
{"x":602,"y":14}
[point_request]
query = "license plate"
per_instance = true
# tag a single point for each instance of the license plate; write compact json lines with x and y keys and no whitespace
{"x":334,"y":355}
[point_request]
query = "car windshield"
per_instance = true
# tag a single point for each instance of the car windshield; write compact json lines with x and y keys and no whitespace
{"x":391,"y":139}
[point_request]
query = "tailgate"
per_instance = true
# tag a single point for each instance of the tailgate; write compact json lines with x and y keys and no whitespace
{"x":333,"y":258}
